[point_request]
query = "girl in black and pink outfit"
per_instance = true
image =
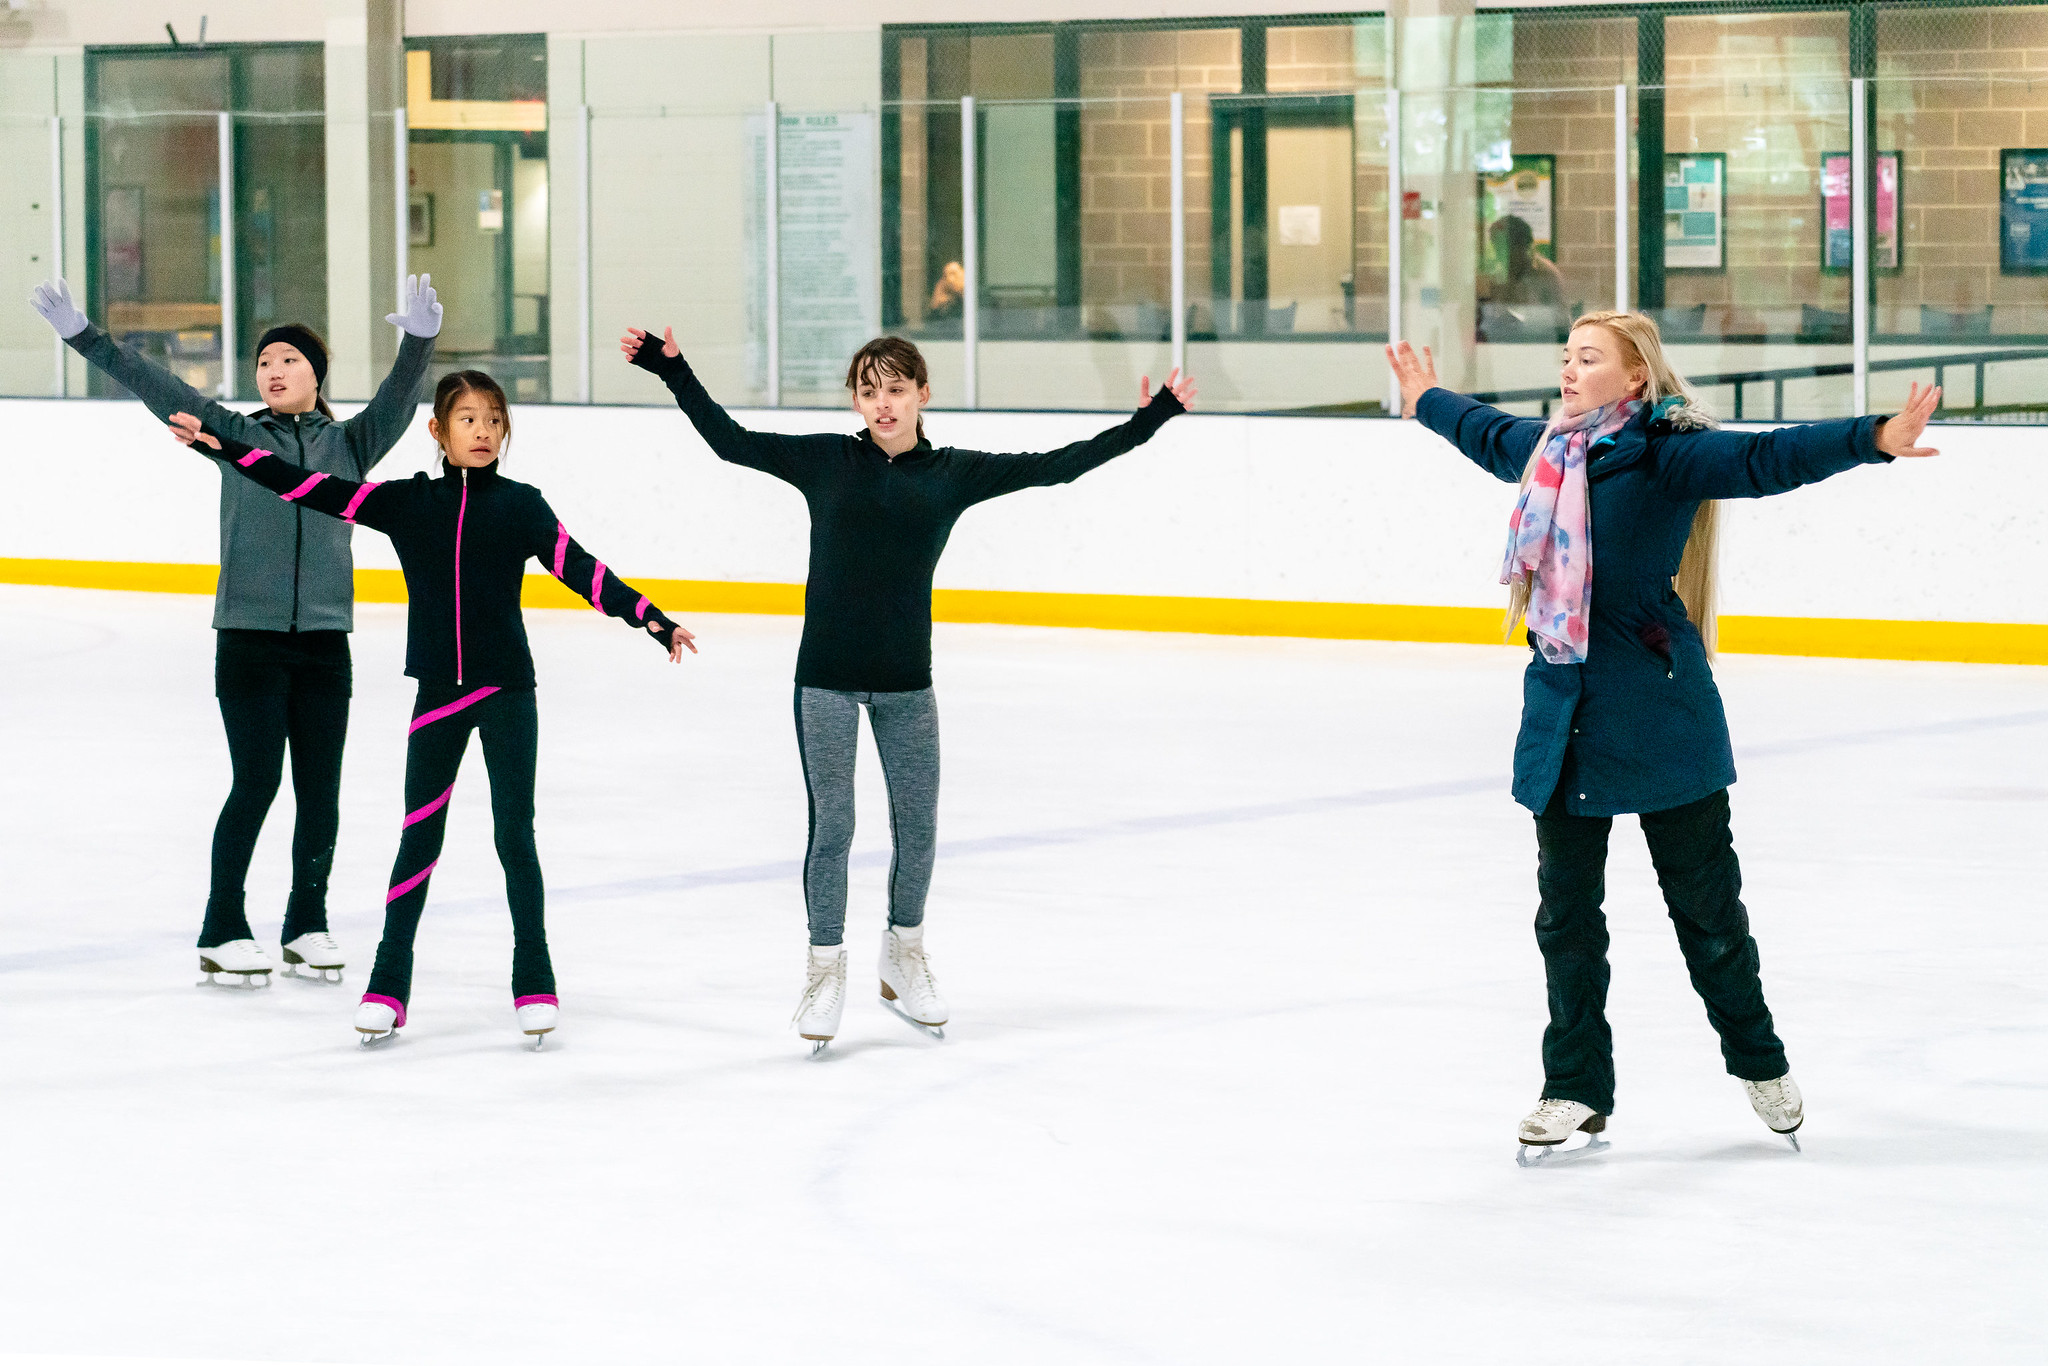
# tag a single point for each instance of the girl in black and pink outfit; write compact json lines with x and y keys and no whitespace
{"x":463,"y":540}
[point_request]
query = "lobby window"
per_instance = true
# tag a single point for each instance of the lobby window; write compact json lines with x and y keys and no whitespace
{"x":477,"y":200}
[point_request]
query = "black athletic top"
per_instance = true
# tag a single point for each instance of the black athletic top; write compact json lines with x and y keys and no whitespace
{"x":464,"y":540}
{"x":879,"y":525}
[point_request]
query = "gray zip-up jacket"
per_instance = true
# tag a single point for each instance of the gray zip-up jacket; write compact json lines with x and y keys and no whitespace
{"x":280,"y":568}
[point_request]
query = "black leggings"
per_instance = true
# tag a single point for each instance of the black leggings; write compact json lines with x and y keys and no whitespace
{"x":278,"y":690}
{"x":442,"y":720}
{"x":1694,"y":855}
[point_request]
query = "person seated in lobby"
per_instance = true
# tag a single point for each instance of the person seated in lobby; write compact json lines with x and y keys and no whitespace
{"x":1531,"y":278}
{"x":949,"y":295}
{"x":1526,"y":302}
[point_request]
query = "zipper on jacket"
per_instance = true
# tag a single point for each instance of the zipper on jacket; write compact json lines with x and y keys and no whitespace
{"x":298,"y":527}
{"x":460,"y":509}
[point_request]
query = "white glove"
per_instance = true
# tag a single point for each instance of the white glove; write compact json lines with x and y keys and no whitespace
{"x":420,"y":315}
{"x":53,"y":301}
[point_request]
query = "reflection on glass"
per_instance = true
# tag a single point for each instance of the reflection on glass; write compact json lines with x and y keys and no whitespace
{"x":1957,"y":109}
{"x":477,"y":208}
{"x":153,"y":201}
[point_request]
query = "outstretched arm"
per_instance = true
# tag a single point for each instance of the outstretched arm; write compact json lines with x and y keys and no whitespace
{"x":589,"y":578}
{"x":769,"y":452}
{"x":991,"y":476}
{"x":377,"y":428}
{"x":162,"y":392}
{"x":1497,"y":442}
{"x":373,"y":505}
{"x":1723,"y":464}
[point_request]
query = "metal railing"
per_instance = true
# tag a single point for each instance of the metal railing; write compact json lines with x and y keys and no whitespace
{"x":1739,"y":379}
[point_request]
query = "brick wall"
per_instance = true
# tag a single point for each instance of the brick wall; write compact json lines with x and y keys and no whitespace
{"x":1772,"y":93}
{"x":1949,"y":133}
{"x":1126,"y":190}
{"x":917,"y":288}
{"x":1564,"y":71}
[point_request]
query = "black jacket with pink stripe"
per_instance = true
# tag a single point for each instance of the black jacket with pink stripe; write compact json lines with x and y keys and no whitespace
{"x":463,"y":540}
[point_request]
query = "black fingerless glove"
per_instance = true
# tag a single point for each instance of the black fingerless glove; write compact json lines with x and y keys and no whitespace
{"x":651,"y":357}
{"x":667,"y":634}
{"x":230,"y":449}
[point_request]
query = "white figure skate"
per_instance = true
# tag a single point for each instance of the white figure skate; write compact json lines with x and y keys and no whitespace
{"x":1778,"y":1103}
{"x":314,"y":957}
{"x":1544,"y":1132}
{"x":242,"y":960}
{"x":908,"y":987}
{"x":379,"y":1018}
{"x":537,"y":1016}
{"x":817,"y":1014}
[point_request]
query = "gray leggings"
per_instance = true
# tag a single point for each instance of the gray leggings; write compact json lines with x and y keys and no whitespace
{"x":906,"y":727}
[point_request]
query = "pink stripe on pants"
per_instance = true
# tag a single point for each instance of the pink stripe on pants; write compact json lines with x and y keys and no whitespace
{"x":415,"y":880}
{"x":414,"y":818}
{"x":457,"y":705}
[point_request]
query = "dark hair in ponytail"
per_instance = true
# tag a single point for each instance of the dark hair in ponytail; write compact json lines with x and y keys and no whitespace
{"x":890,"y":357}
{"x":455,"y":385}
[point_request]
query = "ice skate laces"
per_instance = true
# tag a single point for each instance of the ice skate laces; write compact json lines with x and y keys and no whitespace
{"x":917,"y":973}
{"x":1549,"y":1113}
{"x":821,"y":985}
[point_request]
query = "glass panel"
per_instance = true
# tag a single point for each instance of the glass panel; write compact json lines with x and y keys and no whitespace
{"x":280,"y":197}
{"x":679,"y":249}
{"x":476,"y":111}
{"x":1960,"y":239}
{"x":154,"y":149}
{"x":28,"y":365}
{"x":1292,"y":283}
{"x":153,"y":273}
{"x":1753,"y":106}
{"x":1544,"y":222}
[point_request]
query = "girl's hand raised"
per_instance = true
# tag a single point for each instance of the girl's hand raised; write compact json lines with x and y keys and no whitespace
{"x":1896,"y":434}
{"x":629,"y":345}
{"x":1417,"y":377}
{"x":185,"y":429}
{"x":1183,"y":388}
{"x":680,"y":641}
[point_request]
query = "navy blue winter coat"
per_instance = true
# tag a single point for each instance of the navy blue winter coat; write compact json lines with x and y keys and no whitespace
{"x":1641,"y":716}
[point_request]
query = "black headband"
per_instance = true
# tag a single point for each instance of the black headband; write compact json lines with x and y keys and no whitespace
{"x":309,"y":345}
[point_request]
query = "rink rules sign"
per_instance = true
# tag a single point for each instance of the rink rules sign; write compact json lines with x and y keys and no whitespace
{"x":830,"y":259}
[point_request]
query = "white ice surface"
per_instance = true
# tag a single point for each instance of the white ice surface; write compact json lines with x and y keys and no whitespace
{"x":1236,"y":934}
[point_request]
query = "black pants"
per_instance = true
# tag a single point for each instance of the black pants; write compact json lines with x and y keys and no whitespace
{"x":1694,"y":855}
{"x":278,"y":690}
{"x":442,"y":720}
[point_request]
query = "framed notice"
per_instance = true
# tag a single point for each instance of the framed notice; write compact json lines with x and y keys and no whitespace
{"x":1837,"y":214}
{"x":1696,"y":211}
{"x":2023,"y":211}
{"x":1526,"y":190}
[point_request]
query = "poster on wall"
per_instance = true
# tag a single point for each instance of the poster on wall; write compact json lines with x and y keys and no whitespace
{"x":2023,"y":211}
{"x":1696,"y":211}
{"x":1837,"y":213}
{"x":830,"y":262}
{"x":1527,"y":190}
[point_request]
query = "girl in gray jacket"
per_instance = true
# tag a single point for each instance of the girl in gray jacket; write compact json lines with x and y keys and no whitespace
{"x":281,"y":612}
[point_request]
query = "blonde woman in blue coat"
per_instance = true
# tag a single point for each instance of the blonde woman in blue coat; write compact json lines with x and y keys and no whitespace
{"x":1620,"y":713}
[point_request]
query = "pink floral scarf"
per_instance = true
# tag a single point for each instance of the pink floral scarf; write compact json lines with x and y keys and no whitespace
{"x":1550,"y":536}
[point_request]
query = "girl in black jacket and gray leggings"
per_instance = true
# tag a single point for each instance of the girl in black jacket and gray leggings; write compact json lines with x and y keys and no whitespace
{"x":882,"y":505}
{"x":282,"y":611}
{"x":464,"y":540}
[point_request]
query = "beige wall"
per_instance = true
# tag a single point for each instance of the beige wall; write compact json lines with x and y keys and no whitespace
{"x":669,"y":177}
{"x":32,"y":88}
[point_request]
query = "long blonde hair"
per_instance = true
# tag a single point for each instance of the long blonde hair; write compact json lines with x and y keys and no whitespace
{"x":1697,"y":580}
